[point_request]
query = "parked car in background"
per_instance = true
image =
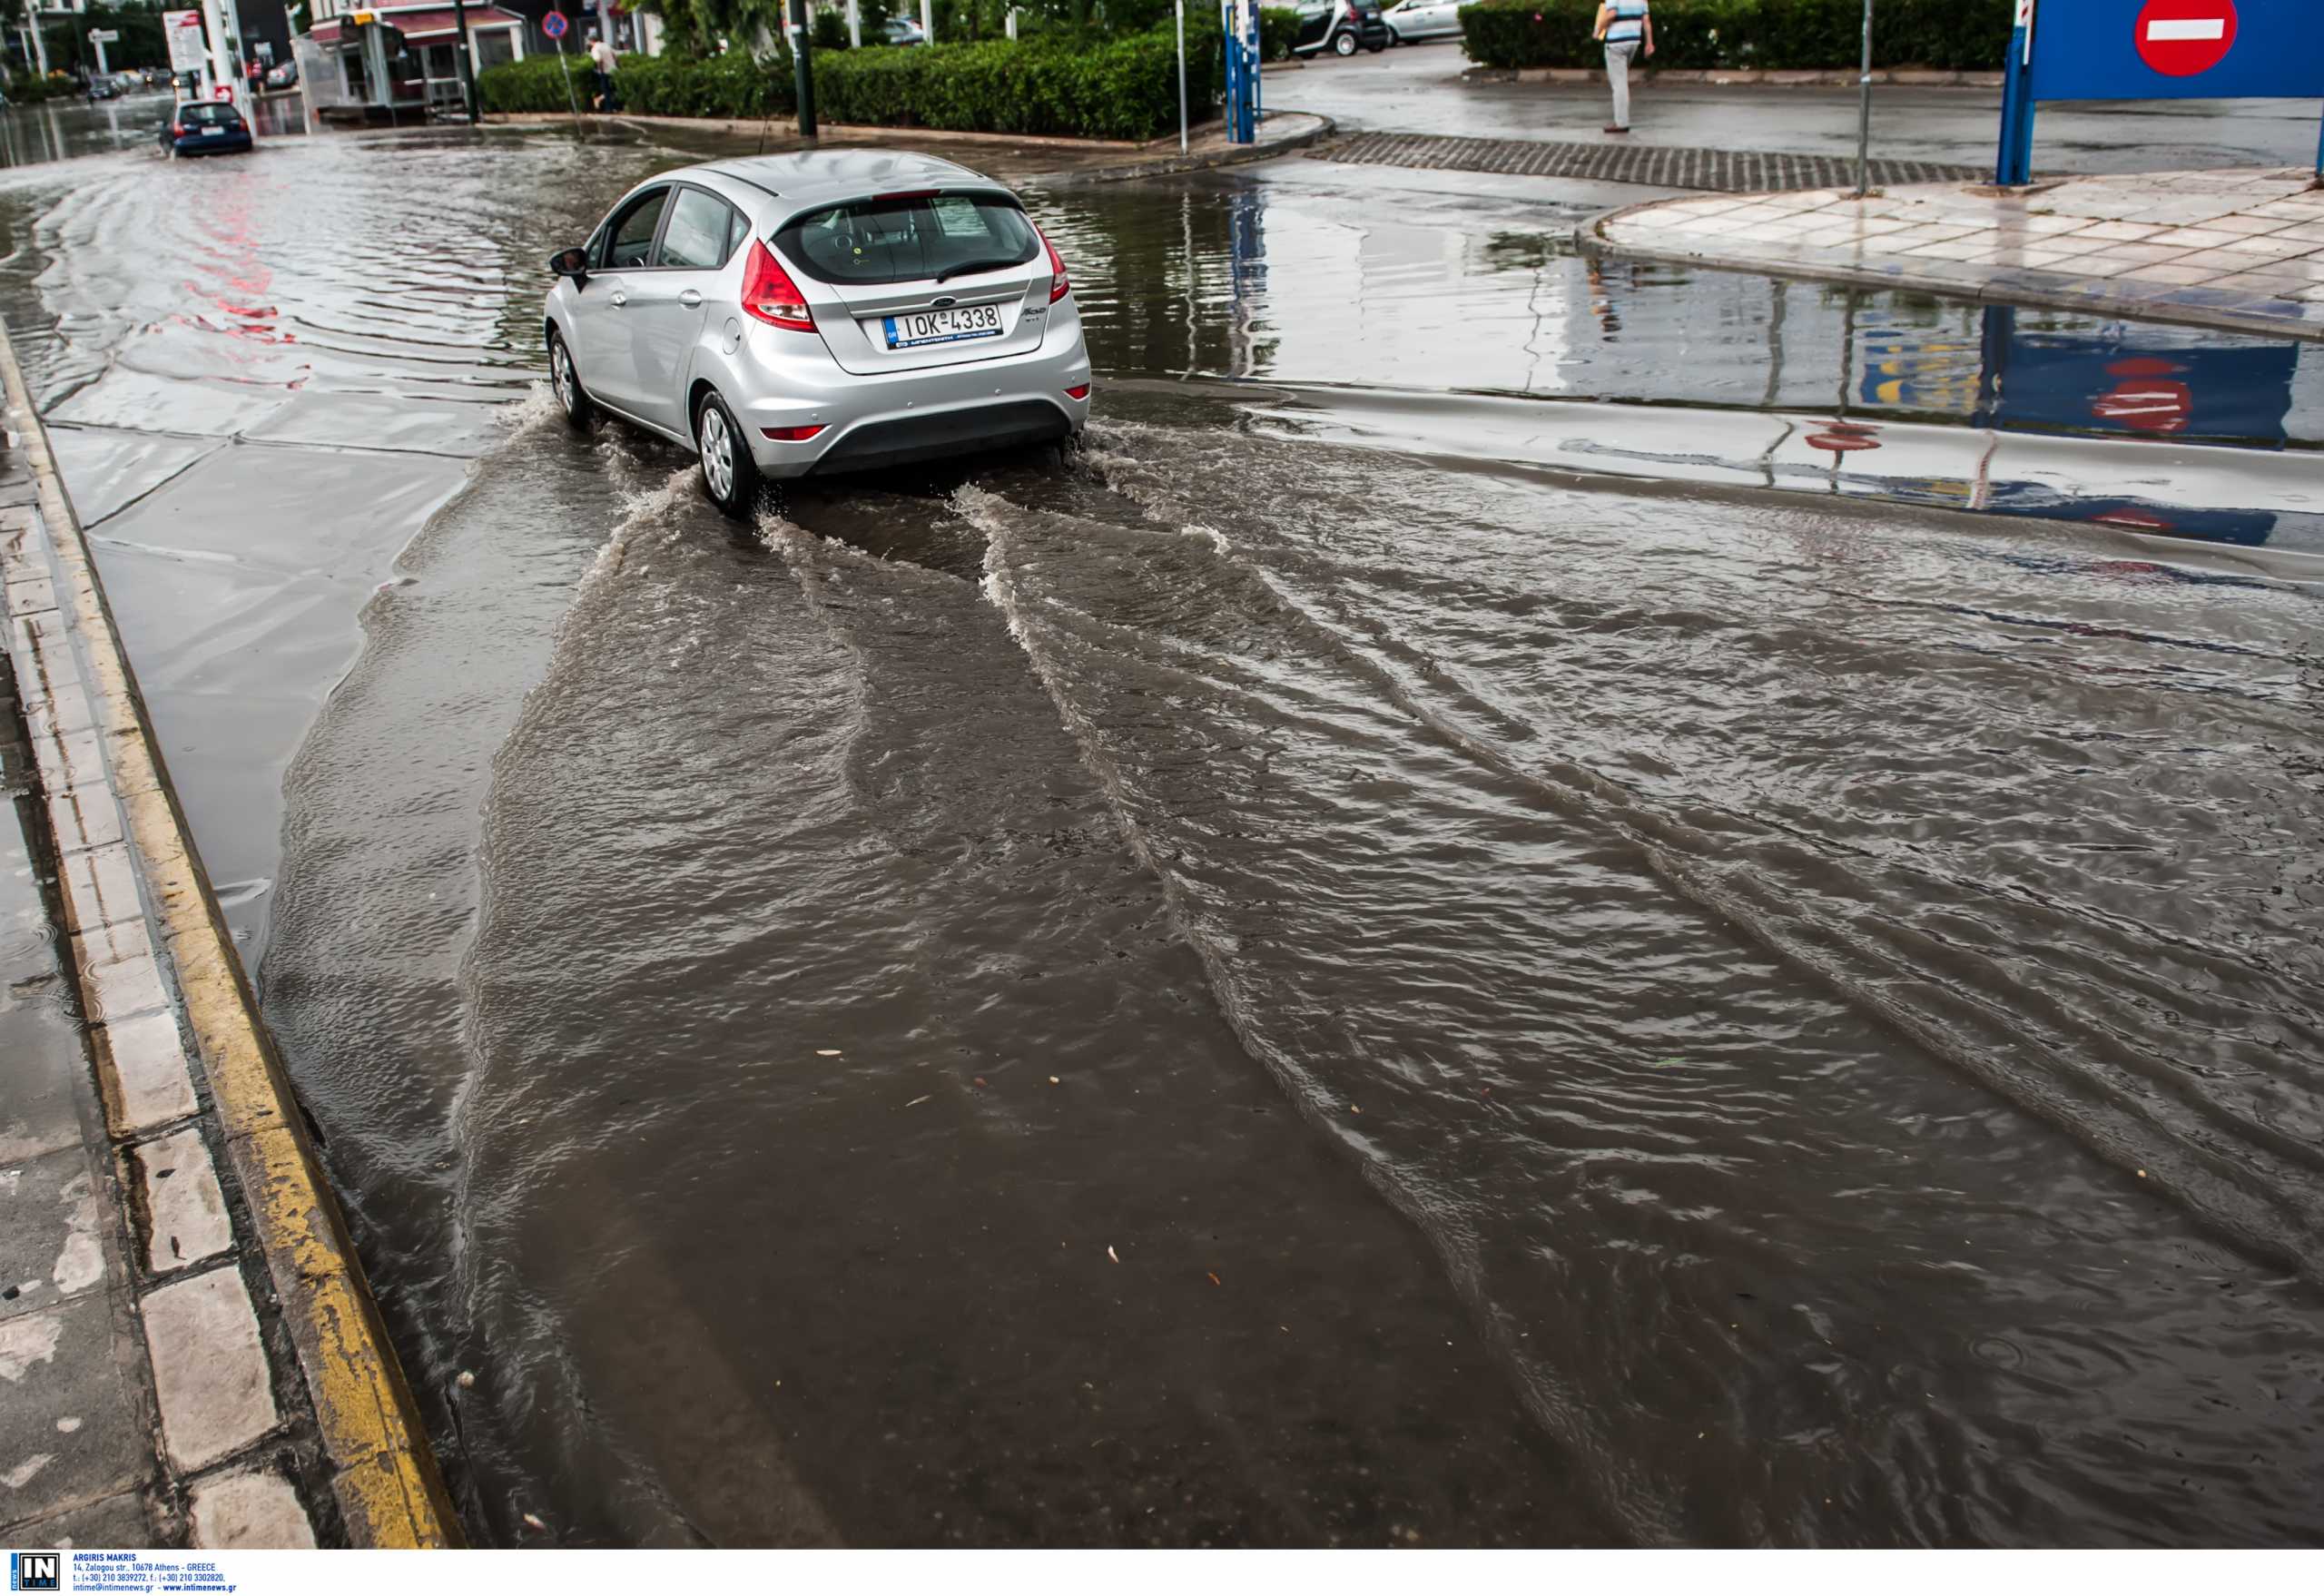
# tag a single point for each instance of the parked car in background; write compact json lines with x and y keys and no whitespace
{"x":828,"y":311}
{"x":102,"y":88}
{"x":285,"y":76}
{"x":204,"y":127}
{"x":1341,"y":26}
{"x":1412,"y":21}
{"x":902,"y":30}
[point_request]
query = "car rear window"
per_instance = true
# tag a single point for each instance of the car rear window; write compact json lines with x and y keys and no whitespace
{"x":901,"y":239}
{"x":207,"y":114}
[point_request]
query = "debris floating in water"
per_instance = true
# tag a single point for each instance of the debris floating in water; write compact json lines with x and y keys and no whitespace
{"x":1113,"y":1255}
{"x":826,"y":1052}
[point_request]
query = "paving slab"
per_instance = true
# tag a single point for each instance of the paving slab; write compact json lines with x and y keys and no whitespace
{"x":2239,"y":250}
{"x":112,"y":1522}
{"x":250,"y":1507}
{"x":50,"y":1245}
{"x":72,"y":1429}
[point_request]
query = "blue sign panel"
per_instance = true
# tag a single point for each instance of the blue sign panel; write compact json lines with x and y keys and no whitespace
{"x":2178,"y":49}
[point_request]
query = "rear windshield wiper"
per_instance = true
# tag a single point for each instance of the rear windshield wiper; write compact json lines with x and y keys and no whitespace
{"x":979,"y":266}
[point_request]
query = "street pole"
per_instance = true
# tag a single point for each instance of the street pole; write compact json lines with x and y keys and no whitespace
{"x":855,"y":24}
{"x":2013,"y":166}
{"x":221,"y":70}
{"x":467,"y":58}
{"x":565,"y":69}
{"x":1182,"y":73}
{"x":803,"y":67}
{"x":1864,"y":113}
{"x":927,"y":22}
{"x":101,"y":70}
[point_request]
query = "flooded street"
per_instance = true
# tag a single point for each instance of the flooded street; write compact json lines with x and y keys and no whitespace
{"x":1534,"y":902}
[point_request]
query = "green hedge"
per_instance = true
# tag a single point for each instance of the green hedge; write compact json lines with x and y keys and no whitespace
{"x":1953,"y":36}
{"x":1123,"y":88}
{"x":1279,"y":26}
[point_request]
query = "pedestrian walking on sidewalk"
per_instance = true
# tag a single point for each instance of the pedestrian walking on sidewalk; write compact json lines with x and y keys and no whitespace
{"x":1629,"y":32}
{"x":601,"y":85}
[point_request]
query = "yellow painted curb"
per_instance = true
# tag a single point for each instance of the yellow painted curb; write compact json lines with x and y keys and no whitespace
{"x":382,"y":1470}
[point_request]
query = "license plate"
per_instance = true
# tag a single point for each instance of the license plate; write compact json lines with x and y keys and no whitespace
{"x":941,"y":326}
{"x":212,"y":132}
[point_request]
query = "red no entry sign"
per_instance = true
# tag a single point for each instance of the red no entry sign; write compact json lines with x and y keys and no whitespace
{"x":2183,"y":38}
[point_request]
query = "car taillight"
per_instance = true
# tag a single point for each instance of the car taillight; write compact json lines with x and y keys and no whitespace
{"x":1080,"y":392}
{"x":769,"y":294}
{"x":1058,"y":286}
{"x":792,"y":434}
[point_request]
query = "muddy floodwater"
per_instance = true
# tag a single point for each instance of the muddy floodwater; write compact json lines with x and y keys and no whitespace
{"x":1532,"y":903}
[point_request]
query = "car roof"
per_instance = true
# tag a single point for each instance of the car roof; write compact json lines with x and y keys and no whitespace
{"x":807,"y":178}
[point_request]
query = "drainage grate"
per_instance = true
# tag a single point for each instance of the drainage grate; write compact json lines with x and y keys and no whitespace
{"x":1728,"y":172}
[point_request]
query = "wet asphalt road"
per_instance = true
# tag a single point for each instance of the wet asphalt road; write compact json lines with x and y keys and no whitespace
{"x":1458,"y":933}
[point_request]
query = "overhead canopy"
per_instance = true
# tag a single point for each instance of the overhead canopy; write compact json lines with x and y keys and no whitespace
{"x":424,"y":28}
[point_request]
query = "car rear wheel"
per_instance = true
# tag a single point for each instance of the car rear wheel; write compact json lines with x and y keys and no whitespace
{"x":729,"y":475}
{"x":1344,"y":44}
{"x":565,"y":383}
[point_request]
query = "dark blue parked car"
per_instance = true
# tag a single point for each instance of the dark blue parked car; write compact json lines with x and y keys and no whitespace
{"x":204,"y":127}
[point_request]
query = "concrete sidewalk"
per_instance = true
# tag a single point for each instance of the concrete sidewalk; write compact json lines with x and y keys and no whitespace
{"x":1052,"y":163}
{"x":188,"y":1354}
{"x":2242,"y":250}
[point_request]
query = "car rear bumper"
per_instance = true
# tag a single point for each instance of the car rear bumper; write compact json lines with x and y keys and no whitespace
{"x":896,"y":417}
{"x":900,"y":440}
{"x":225,"y":144}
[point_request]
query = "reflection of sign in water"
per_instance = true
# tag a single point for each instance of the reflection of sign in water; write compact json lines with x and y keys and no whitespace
{"x":2149,"y":398}
{"x":2141,"y":384}
{"x":1908,"y":368}
{"x":1842,"y":438}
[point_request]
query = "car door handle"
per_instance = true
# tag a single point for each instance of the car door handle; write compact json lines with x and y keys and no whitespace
{"x":691,"y":298}
{"x":620,"y":299}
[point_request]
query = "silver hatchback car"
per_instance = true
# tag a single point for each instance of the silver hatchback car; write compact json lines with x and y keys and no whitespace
{"x":827,"y":312}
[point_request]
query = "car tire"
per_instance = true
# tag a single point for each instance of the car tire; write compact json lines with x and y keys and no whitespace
{"x":1343,"y":46}
{"x":565,"y":382}
{"x":730,"y":477}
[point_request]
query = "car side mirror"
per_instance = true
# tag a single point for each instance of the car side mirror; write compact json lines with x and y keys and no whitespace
{"x":573,"y":263}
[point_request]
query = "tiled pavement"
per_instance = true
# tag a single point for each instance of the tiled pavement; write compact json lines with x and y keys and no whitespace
{"x":2241,"y":249}
{"x":1733,"y":171}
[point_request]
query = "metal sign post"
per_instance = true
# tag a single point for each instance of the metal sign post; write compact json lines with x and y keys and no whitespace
{"x":1863,"y":112}
{"x":1240,"y":22}
{"x":1182,"y":69}
{"x":2153,"y":50}
{"x":553,"y":24}
{"x":803,"y":68}
{"x":101,"y":37}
